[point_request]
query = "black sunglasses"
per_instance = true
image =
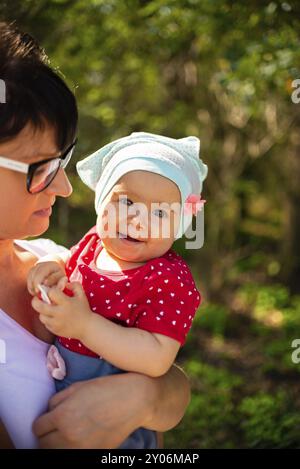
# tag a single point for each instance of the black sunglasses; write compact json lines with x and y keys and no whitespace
{"x":41,"y":174}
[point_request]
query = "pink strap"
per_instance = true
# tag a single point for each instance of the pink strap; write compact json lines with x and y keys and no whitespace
{"x":55,"y":363}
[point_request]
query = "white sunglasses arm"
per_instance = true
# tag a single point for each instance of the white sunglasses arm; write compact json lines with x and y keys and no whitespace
{"x":13,"y":164}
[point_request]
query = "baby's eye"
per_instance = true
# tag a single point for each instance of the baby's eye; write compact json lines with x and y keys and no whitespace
{"x":160,"y":213}
{"x":125,"y":200}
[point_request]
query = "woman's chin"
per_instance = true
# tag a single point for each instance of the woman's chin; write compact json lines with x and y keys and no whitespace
{"x":39,"y":228}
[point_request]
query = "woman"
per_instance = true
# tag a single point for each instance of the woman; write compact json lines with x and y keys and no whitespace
{"x":38,"y":123}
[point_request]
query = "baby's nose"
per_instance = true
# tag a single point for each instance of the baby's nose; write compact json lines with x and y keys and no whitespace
{"x":138,"y":227}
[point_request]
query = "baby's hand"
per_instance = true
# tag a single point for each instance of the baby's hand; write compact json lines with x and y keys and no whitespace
{"x":67,"y":315}
{"x":48,"y":273}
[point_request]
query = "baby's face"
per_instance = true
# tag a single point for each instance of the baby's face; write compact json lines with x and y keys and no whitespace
{"x":145,"y":207}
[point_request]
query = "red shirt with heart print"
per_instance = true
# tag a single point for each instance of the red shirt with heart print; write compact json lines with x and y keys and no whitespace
{"x":159,"y":296}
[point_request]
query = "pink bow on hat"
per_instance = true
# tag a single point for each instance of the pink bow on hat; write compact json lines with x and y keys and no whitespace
{"x":193,"y":204}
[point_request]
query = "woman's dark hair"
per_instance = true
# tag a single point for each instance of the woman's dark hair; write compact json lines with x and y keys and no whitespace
{"x":34,"y":93}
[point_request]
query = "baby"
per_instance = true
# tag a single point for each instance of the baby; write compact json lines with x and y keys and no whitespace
{"x":123,"y":300}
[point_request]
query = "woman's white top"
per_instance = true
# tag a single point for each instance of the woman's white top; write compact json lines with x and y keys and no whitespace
{"x":25,"y":384}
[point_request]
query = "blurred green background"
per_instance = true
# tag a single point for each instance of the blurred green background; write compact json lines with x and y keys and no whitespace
{"x":224,"y":71}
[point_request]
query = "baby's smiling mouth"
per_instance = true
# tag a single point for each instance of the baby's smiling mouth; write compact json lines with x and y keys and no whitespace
{"x":129,"y":238}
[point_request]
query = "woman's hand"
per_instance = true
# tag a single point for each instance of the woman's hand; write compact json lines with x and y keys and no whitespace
{"x":66,"y":316}
{"x":95,"y":413}
{"x":48,"y":273}
{"x":103,"y":412}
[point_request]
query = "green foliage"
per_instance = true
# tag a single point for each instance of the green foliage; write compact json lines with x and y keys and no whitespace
{"x":210,"y":417}
{"x":213,"y":318}
{"x":270,"y":421}
{"x":244,"y":383}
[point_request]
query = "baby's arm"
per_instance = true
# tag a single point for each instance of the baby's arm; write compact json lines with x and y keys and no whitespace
{"x":130,"y":348}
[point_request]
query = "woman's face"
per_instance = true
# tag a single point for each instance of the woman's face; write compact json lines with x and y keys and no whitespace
{"x":23,"y":214}
{"x":150,"y":228}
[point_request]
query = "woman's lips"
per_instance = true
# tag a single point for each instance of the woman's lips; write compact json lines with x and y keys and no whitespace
{"x":46,"y":212}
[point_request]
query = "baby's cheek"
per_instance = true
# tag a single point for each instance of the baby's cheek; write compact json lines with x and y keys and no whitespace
{"x":109,"y":218}
{"x":175,"y":221}
{"x":158,"y":247}
{"x":167,"y":230}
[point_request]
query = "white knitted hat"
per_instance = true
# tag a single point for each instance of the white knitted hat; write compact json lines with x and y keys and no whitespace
{"x":175,"y":159}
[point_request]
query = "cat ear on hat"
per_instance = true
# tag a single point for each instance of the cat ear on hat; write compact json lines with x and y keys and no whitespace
{"x":191,"y":147}
{"x":90,"y":168}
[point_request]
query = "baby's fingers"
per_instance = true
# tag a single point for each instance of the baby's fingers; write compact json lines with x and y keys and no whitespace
{"x":42,"y":308}
{"x":54,"y":278}
{"x":39,"y":279}
{"x":30,"y":287}
{"x":77,"y":289}
{"x":33,"y":279}
{"x":62,"y":283}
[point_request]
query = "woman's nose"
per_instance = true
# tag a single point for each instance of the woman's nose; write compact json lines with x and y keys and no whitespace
{"x":60,"y":186}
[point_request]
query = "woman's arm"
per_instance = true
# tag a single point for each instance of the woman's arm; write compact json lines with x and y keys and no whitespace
{"x":172,"y":394}
{"x":95,"y":414}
